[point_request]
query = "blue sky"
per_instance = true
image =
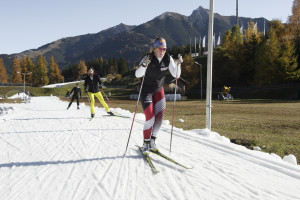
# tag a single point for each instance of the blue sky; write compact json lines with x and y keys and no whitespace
{"x":29,"y":24}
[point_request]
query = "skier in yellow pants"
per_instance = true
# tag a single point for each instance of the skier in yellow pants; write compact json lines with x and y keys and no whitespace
{"x":93,"y":82}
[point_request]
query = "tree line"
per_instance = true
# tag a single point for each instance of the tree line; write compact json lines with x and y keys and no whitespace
{"x":36,"y":74}
{"x":257,"y":59}
{"x":248,"y":57}
{"x":105,"y":68}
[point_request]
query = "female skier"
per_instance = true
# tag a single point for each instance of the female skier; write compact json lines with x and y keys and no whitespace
{"x":155,"y":67}
{"x":76,"y":94}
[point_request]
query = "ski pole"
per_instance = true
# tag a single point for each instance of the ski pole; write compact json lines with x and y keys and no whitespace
{"x":173,"y":109}
{"x":111,"y":105}
{"x":137,"y":103}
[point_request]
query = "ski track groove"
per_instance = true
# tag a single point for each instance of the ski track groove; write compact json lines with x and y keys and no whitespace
{"x":23,"y":175}
{"x":62,"y":188}
{"x":85,"y":172}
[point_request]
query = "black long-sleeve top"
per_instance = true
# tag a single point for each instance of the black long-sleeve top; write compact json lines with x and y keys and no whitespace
{"x":77,"y":92}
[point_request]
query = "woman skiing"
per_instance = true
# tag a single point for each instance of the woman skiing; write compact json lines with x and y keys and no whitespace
{"x":155,"y":67}
{"x":76,"y":95}
{"x":93,"y":82}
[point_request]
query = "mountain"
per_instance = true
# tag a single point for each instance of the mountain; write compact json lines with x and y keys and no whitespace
{"x":131,"y":42}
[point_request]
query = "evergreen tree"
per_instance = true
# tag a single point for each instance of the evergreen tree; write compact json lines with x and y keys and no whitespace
{"x":24,"y":68}
{"x":3,"y":72}
{"x":265,"y":69}
{"x":70,"y":73}
{"x":54,"y":72}
{"x":294,"y":27}
{"x":252,"y":39}
{"x":228,"y":59}
{"x":275,"y":59}
{"x":116,"y":67}
{"x":123,"y":66}
{"x":16,"y":77}
{"x":30,"y":67}
{"x":40,"y":74}
{"x":81,"y":69}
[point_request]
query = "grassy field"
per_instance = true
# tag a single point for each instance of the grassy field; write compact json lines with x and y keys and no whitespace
{"x":270,"y":124}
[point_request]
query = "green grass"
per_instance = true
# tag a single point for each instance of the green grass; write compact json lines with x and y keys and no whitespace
{"x":273,"y":125}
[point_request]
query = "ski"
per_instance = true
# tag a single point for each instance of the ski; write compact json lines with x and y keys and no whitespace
{"x":116,"y":115}
{"x":147,"y":158}
{"x":169,"y":159}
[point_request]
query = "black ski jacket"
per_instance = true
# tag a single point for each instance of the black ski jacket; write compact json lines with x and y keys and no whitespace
{"x":92,"y":83}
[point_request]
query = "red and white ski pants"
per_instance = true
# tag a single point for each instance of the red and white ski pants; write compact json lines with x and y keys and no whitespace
{"x":154,"y":106}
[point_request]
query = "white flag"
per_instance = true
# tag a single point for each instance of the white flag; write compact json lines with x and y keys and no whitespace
{"x":241,"y":30}
{"x":255,"y":28}
{"x":203,"y":42}
{"x":199,"y":42}
{"x":219,"y":40}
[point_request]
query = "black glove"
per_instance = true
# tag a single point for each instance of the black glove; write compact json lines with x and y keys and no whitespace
{"x":100,"y":86}
{"x":85,"y":91}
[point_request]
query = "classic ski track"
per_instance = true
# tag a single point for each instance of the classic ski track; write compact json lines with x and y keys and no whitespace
{"x":84,"y":174}
{"x":83,"y":177}
{"x":52,"y":144}
{"x":97,"y":185}
{"x":39,"y":172}
{"x":133,"y":175}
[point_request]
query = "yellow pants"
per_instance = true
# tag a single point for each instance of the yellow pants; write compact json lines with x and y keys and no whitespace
{"x":92,"y":99}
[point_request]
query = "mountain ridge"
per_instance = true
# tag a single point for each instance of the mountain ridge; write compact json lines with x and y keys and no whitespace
{"x":131,"y":42}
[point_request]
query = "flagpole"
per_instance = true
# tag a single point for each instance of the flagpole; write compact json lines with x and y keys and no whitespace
{"x":209,"y":66}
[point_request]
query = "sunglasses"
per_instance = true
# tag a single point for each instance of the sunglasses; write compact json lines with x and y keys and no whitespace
{"x":161,"y":49}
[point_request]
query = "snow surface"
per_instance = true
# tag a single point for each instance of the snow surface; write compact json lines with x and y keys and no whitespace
{"x":49,"y":152}
{"x":21,"y":95}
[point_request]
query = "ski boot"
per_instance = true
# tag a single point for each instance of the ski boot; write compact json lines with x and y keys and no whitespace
{"x":110,"y":113}
{"x":152,"y":144}
{"x":77,"y":107}
{"x":92,"y":115}
{"x":146,"y":148}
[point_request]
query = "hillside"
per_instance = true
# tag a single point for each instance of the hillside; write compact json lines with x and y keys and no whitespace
{"x":130,"y":42}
